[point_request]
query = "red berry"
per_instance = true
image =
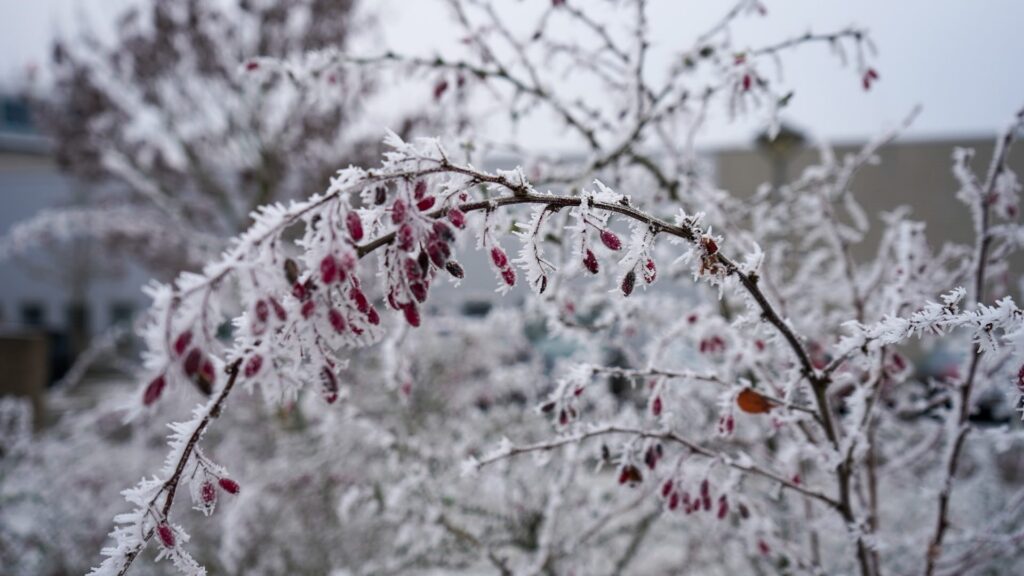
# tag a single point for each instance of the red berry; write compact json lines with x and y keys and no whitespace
{"x":436,"y":251}
{"x":673,"y":501}
{"x":509,"y":276}
{"x":412,"y":314}
{"x":308,"y":307}
{"x":590,"y":262}
{"x":440,"y":88}
{"x":747,"y":81}
{"x":337,"y":320}
{"x":253,"y":365}
{"x":262,"y":310}
{"x":610,"y":240}
{"x":182,"y":342}
{"x":420,"y":190}
{"x":355,"y":226}
{"x":667,"y":488}
{"x":357,"y":297}
{"x":406,"y":240}
{"x":628,"y":282}
{"x":426,"y":204}
{"x":372,"y":317}
{"x":208,"y":493}
{"x":279,"y":310}
{"x":166,"y":534}
{"x":330,"y":384}
{"x":457,"y":218}
{"x":398,"y":212}
{"x":499,"y":257}
{"x":328,"y":269}
{"x":650,"y":271}
{"x":229,"y":485}
{"x":207,"y":377}
{"x":656,"y":406}
{"x":418,"y":291}
{"x":723,"y":506}
{"x":192,"y":362}
{"x":154,"y":390}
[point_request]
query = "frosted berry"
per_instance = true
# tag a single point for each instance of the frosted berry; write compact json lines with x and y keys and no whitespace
{"x":590,"y":262}
{"x":426,"y":203}
{"x":457,"y":218}
{"x":153,"y":390}
{"x":412,"y":314}
{"x":328,"y":269}
{"x":354,"y":225}
{"x":398,"y":212}
{"x":337,"y":320}
{"x":229,"y":485}
{"x":182,"y":341}
{"x":499,"y":257}
{"x":253,"y":365}
{"x":207,"y":493}
{"x":628,"y":282}
{"x":611,"y":240}
{"x":166,"y":534}
{"x":509,"y":276}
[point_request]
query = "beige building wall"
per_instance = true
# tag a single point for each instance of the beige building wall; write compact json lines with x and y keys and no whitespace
{"x":914,"y":173}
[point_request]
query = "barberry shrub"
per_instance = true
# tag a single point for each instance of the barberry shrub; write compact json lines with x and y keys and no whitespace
{"x":736,"y":392}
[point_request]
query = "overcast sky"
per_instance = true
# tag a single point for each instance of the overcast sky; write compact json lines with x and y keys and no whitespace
{"x":961,"y":59}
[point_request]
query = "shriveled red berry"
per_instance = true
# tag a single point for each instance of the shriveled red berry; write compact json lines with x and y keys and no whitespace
{"x":355,"y":226}
{"x":419,"y":190}
{"x":455,"y":269}
{"x":723,"y":506}
{"x":308,"y":307}
{"x":153,"y":390}
{"x":229,"y":485}
{"x":373,"y":317}
{"x":656,"y":406}
{"x":611,"y":240}
{"x":166,"y":534}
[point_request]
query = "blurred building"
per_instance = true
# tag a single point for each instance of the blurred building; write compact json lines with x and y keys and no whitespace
{"x":51,"y":301}
{"x":911,"y":172}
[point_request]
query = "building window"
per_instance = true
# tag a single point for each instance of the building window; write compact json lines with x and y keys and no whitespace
{"x":33,"y":314}
{"x":121,"y":313}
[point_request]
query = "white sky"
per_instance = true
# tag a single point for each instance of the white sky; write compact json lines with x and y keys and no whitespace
{"x":959,"y":58}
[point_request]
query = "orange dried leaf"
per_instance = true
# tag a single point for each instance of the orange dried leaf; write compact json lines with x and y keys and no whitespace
{"x":751,"y":402}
